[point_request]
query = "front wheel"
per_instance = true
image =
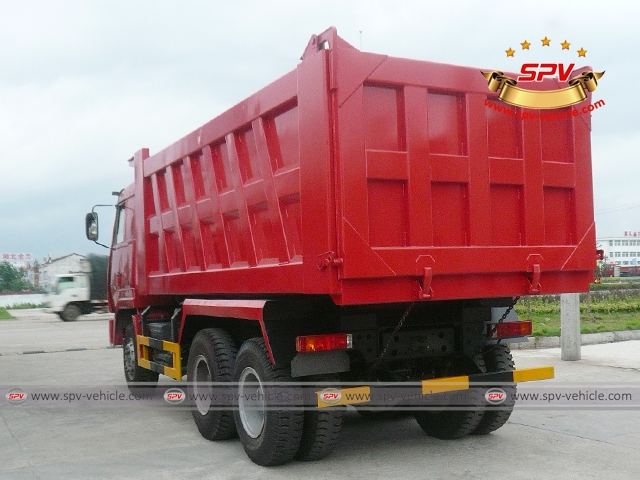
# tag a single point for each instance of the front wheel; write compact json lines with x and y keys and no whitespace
{"x":71,"y":313}
{"x":132,"y":371}
{"x":268,"y":424}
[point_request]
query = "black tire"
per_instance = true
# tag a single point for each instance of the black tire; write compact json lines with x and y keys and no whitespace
{"x":211,"y":358}
{"x":497,"y":359}
{"x":449,"y":424}
{"x":133,"y":373}
{"x":320,"y":433}
{"x":453,"y":422}
{"x":71,"y":313}
{"x":269,"y":436}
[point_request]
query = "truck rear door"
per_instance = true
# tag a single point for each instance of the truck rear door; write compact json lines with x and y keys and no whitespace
{"x":463,"y":200}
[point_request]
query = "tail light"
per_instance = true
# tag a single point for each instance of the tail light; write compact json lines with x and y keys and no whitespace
{"x":514,"y":329}
{"x":323,"y":343}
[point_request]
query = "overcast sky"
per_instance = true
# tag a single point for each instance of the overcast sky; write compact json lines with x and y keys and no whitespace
{"x":84,"y":84}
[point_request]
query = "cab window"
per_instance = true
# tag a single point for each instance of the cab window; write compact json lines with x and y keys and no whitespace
{"x":64,"y":283}
{"x":118,"y":236}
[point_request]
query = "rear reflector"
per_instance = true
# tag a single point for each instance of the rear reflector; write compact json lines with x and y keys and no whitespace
{"x":323,"y":343}
{"x":514,"y":329}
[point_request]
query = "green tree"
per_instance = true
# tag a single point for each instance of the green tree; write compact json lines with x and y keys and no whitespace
{"x":13,"y":279}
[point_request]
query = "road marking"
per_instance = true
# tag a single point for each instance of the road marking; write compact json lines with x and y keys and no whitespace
{"x":33,"y":352}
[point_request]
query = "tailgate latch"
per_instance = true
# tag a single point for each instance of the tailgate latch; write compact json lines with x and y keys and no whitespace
{"x":425,"y":283}
{"x":535,"y":270}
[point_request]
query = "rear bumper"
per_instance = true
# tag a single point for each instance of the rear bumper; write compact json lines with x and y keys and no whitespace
{"x":369,"y":394}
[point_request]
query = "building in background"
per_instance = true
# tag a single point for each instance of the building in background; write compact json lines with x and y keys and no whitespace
{"x":622,"y":252}
{"x":40,"y":273}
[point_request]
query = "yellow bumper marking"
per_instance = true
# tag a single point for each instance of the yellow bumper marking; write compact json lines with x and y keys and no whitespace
{"x":445,"y":384}
{"x":171,"y":347}
{"x":529,"y":374}
{"x":176,"y":370}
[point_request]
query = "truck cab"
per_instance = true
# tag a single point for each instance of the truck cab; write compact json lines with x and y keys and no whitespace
{"x":65,"y":295}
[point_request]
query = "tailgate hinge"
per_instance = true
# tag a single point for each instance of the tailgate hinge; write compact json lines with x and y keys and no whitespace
{"x":329,"y":259}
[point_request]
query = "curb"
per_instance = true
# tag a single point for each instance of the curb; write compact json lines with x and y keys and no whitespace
{"x":587,"y":339}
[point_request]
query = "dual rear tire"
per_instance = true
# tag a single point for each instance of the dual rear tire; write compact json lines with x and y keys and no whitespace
{"x":267,"y":412}
{"x":477,"y":418}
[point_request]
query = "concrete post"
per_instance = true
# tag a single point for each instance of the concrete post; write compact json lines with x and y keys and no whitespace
{"x":570,"y":326}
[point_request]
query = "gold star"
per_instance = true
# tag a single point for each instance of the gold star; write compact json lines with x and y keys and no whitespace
{"x":582,"y":52}
{"x":510,"y":52}
{"x":565,"y":45}
{"x":546,"y":41}
{"x":525,"y":45}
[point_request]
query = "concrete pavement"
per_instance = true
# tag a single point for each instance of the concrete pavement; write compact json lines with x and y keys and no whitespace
{"x":83,"y":443}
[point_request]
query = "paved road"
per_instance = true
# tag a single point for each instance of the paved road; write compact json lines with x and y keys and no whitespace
{"x":34,"y":330}
{"x":75,"y":442}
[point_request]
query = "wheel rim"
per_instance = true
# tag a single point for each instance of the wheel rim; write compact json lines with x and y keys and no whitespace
{"x":251,"y":403}
{"x":202,"y":385}
{"x":130,"y":358}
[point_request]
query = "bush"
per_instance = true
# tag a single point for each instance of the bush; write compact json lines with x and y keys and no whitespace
{"x":13,"y":279}
{"x":4,"y":315}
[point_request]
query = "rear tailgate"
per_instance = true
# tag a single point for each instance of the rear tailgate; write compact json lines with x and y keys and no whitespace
{"x":441,"y":196}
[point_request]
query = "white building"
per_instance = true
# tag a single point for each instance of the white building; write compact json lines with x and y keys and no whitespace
{"x":623,"y":251}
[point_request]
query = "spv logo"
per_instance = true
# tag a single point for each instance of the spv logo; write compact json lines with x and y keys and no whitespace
{"x":535,"y":72}
{"x":174,"y":396}
{"x":577,"y":91}
{"x":16,"y":396}
{"x":495,"y":396}
{"x":330,"y":396}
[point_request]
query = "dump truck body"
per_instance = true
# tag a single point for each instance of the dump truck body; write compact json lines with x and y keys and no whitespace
{"x":371,"y":179}
{"x":362,"y":219}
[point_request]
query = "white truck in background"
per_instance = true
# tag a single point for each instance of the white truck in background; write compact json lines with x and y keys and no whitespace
{"x":78,"y":293}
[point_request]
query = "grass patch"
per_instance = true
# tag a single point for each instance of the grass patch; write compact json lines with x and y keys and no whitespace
{"x":619,"y":285}
{"x":548,"y":323}
{"x":24,"y":306}
{"x":4,"y":315}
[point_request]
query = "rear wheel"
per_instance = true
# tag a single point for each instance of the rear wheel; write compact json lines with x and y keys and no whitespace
{"x":132,"y":371}
{"x":71,"y":313}
{"x":449,"y":424}
{"x":211,"y":358}
{"x":269,"y":430}
{"x":320,"y":433}
{"x":462,"y":411}
{"x":498,"y":359}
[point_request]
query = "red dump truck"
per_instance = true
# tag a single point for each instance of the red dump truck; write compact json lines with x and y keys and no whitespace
{"x":362,"y":222}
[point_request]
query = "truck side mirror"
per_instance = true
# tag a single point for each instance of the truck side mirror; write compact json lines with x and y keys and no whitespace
{"x":91,"y":226}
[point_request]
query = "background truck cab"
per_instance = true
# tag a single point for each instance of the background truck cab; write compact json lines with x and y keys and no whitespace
{"x":77,"y":293}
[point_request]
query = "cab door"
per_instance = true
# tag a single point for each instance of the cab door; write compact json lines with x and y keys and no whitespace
{"x":122,"y":284}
